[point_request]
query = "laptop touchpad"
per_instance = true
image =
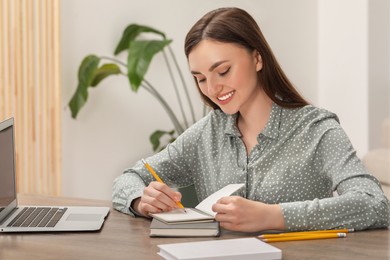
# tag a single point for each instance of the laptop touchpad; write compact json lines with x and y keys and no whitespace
{"x":84,"y":217}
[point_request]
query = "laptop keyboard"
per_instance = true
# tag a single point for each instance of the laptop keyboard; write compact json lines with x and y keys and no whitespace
{"x":37,"y":217}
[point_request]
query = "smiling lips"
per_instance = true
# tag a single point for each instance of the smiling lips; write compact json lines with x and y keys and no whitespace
{"x":225,"y":98}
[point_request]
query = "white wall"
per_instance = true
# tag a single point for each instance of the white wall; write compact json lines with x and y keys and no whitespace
{"x":379,"y":69}
{"x":112,"y":130}
{"x":343,"y":65}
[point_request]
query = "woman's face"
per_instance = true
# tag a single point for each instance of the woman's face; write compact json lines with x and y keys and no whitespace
{"x":226,"y":73}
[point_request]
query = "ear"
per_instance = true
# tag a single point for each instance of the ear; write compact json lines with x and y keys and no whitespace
{"x":258,"y":60}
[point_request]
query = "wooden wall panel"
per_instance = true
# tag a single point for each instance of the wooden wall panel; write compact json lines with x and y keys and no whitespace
{"x":30,"y":90}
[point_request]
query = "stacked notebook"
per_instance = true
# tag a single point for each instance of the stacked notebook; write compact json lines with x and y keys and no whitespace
{"x":228,"y":249}
{"x":202,"y":229}
{"x":198,"y":221}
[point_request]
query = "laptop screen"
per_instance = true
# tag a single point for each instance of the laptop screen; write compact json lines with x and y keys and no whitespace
{"x":7,"y":168}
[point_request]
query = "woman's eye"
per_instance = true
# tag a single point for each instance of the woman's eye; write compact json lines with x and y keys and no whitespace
{"x":201,"y":80}
{"x":224,"y":72}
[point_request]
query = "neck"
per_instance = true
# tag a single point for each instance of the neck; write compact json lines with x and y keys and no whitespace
{"x":254,"y":117}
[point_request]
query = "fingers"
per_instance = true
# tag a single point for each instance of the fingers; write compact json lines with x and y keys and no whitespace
{"x":240,"y":214}
{"x":158,"y":197}
{"x":228,"y":212}
{"x":226,"y":205}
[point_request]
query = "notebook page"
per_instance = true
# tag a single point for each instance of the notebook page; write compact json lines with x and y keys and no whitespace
{"x":177,"y":215}
{"x":208,"y":202}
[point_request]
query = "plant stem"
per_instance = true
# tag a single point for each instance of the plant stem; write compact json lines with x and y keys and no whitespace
{"x":176,"y":89}
{"x":183,"y":82}
{"x":179,"y":129}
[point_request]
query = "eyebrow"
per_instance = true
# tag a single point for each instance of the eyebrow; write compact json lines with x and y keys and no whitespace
{"x":212,"y":67}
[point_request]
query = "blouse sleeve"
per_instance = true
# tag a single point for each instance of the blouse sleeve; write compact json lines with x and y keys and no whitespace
{"x":359,"y":201}
{"x":171,"y":164}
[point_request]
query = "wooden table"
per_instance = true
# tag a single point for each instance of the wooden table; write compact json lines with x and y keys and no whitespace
{"x":124,"y":237}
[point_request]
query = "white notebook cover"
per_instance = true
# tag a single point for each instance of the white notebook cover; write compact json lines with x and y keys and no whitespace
{"x":227,"y":249}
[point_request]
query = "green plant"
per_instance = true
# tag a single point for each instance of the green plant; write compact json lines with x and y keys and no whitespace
{"x":140,"y":54}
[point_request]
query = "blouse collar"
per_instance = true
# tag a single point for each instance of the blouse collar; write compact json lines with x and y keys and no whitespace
{"x":271,"y":129}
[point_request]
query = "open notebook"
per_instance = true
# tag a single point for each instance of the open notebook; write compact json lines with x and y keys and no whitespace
{"x":202,"y":212}
{"x":17,"y":218}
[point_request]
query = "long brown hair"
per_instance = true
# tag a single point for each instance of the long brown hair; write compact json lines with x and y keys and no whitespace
{"x":234,"y":25}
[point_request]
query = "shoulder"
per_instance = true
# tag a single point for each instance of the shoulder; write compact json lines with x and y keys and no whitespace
{"x":214,"y":118}
{"x":309,"y":115}
{"x":308,"y":119}
{"x":214,"y":121}
{"x":310,"y":112}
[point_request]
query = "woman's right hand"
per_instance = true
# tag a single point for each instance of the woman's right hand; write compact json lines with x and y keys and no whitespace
{"x":157,"y":197}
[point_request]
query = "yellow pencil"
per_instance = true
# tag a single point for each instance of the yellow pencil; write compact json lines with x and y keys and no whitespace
{"x":159,"y":180}
{"x":304,"y":233}
{"x":307,"y":237}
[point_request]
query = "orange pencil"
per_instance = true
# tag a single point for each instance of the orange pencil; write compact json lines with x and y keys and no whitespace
{"x":306,"y":237}
{"x":305,"y":233}
{"x":159,"y":180}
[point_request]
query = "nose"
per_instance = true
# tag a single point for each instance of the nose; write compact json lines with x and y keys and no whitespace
{"x":214,"y":87}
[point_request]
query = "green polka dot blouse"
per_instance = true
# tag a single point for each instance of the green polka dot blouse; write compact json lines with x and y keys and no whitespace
{"x":303,"y":161}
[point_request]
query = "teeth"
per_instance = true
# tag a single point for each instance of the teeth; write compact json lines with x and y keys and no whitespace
{"x":228,"y":95}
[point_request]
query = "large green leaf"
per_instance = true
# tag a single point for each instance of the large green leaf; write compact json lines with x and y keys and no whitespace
{"x":130,"y":34}
{"x":105,"y":71}
{"x":86,"y":74}
{"x":140,"y":56}
{"x":157,"y":135}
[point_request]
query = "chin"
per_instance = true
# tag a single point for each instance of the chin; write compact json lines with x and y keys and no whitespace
{"x":228,"y":111}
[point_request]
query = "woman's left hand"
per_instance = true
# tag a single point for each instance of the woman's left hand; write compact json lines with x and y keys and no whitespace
{"x":240,"y":214}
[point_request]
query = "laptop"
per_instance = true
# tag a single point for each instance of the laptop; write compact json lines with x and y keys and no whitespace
{"x":17,"y":218}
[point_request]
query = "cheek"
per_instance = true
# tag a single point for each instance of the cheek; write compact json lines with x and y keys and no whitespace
{"x":240,"y":78}
{"x":203,"y":89}
{"x":247,"y":76}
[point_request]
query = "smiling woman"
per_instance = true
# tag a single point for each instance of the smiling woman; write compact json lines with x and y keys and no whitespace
{"x":31,"y":91}
{"x":291,"y":156}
